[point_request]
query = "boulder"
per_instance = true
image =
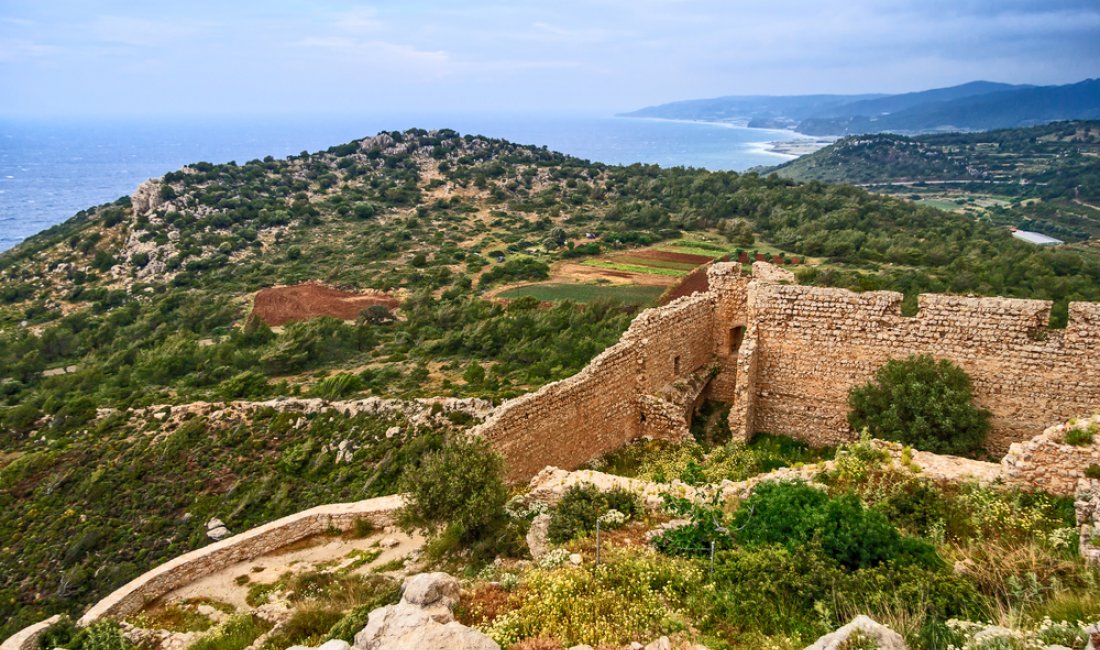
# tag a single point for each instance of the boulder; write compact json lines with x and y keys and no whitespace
{"x":219,"y":533}
{"x":422,"y":620}
{"x":884,"y":637}
{"x":436,"y":589}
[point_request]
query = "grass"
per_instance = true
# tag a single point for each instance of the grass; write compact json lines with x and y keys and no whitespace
{"x":635,"y":268}
{"x":630,"y":294}
{"x":236,"y":634}
{"x":173,"y":618}
{"x":697,"y":248}
{"x":660,"y":264}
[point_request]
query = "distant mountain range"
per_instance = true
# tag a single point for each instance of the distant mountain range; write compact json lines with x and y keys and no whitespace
{"x":974,"y":106}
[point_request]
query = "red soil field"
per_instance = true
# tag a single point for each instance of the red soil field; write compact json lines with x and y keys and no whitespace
{"x":281,"y":305}
{"x":693,"y":282}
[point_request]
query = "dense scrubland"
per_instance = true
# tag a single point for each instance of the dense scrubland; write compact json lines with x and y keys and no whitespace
{"x":146,"y":301}
{"x":1041,"y":178}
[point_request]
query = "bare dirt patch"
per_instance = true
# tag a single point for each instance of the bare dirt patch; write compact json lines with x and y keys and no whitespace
{"x":281,"y":305}
{"x":572,"y":272}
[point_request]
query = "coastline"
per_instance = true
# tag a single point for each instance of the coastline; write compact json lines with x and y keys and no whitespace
{"x":795,"y":146}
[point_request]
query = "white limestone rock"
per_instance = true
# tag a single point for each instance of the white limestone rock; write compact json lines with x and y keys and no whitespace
{"x":886,"y":638}
{"x":333,"y":644}
{"x":219,"y":533}
{"x":422,"y":620}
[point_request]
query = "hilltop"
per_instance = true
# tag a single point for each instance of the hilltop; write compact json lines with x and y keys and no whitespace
{"x":974,"y":106}
{"x":1042,"y":178}
{"x":119,"y":324}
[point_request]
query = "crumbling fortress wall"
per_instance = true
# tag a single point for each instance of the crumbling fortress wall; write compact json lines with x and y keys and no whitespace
{"x":785,"y":356}
{"x":815,"y":344}
{"x":614,"y":399}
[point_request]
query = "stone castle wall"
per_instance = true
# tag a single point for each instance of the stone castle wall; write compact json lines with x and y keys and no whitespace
{"x":785,"y":357}
{"x":1046,"y":462}
{"x":815,"y":344}
{"x":600,"y":408}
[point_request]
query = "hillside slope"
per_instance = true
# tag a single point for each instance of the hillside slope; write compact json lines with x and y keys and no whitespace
{"x":1043,"y":178}
{"x":146,"y":302}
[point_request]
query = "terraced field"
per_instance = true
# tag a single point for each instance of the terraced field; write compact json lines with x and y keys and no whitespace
{"x":637,"y":277}
{"x":630,"y":294}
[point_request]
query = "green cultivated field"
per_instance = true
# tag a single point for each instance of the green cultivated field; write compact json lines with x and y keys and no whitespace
{"x":631,"y":294}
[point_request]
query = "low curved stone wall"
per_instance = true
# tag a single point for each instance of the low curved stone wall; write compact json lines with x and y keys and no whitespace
{"x":27,"y":638}
{"x":185,"y":569}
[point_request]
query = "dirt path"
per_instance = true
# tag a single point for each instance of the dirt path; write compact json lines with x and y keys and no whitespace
{"x":317,"y":553}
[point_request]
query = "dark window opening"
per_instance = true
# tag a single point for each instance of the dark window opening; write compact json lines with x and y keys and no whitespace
{"x":737,"y":334}
{"x":676,"y":365}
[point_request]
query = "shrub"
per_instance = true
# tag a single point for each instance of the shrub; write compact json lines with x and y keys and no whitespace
{"x":770,"y":590}
{"x":855,"y":536}
{"x":580,"y":507}
{"x":1092,"y":471}
{"x":627,"y":597}
{"x":460,"y":485}
{"x":59,"y":634}
{"x":779,"y":513}
{"x":1080,"y":437}
{"x":308,"y":625}
{"x":793,"y":514}
{"x":921,"y":402}
{"x":339,"y":385}
{"x":708,"y":524}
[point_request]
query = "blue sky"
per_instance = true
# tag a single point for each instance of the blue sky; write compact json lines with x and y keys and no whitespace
{"x":115,"y":57}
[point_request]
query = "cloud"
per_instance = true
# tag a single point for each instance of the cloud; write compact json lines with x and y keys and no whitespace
{"x":139,"y":32}
{"x":361,"y":20}
{"x":23,"y":50}
{"x":380,"y":51}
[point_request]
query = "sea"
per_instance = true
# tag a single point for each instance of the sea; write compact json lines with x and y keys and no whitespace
{"x":51,"y":169}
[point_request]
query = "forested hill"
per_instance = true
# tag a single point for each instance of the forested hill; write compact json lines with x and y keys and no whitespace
{"x":973,"y":106}
{"x":147,"y":301}
{"x":1045,"y":177}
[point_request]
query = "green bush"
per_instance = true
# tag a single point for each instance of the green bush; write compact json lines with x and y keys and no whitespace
{"x":460,"y":485}
{"x":770,"y":590}
{"x":707,"y":526}
{"x":779,"y":513}
{"x":1081,"y":437}
{"x":921,"y":402}
{"x":581,"y":505}
{"x":794,"y":514}
{"x":339,"y":385}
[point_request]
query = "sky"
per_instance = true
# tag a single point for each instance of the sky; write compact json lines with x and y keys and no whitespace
{"x":245,"y":57}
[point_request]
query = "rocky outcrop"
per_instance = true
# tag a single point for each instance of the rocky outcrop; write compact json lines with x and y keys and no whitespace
{"x":430,"y":412}
{"x":882,"y":636}
{"x":422,"y":620}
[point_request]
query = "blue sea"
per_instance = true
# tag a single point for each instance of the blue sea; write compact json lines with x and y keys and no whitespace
{"x":49,"y":170}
